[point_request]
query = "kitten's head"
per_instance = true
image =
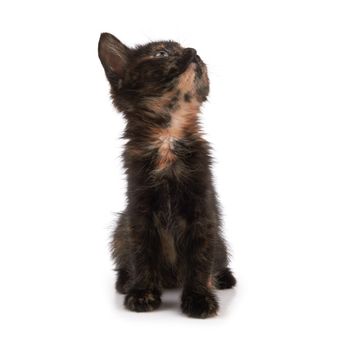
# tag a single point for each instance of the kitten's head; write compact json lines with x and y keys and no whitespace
{"x":150,"y":76}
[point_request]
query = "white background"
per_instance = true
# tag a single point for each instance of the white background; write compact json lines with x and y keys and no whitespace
{"x":274,"y":118}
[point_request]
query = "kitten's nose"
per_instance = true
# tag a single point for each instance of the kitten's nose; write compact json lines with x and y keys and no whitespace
{"x":190,"y":51}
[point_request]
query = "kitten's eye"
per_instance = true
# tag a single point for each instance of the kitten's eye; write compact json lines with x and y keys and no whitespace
{"x":161,"y":53}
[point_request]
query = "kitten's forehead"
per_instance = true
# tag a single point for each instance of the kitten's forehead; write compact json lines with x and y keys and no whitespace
{"x":159,"y":45}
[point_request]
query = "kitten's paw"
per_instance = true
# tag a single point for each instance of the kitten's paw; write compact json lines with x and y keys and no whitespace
{"x":225,"y":279}
{"x":199,"y":304}
{"x":142,"y":300}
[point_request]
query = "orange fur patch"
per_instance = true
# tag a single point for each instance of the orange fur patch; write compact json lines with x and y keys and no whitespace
{"x":182,"y":119}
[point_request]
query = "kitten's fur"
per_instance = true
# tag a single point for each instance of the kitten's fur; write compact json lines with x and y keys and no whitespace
{"x":169,"y":234}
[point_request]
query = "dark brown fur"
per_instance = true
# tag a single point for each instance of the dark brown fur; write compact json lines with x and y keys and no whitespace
{"x":169,"y":235}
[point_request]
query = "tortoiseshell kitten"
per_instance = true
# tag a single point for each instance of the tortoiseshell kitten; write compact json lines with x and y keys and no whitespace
{"x":169,"y":235}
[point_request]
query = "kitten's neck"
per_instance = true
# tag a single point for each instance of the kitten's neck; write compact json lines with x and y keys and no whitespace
{"x":156,"y":132}
{"x":173,"y":115}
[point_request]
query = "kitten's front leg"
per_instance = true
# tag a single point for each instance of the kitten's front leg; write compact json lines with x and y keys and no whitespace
{"x":198,"y":299}
{"x":145,"y":292}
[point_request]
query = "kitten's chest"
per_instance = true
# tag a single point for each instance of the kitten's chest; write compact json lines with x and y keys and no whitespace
{"x":168,"y":141}
{"x":166,"y":155}
{"x":169,"y":221}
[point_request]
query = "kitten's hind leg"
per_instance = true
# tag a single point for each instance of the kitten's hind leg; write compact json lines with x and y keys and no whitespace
{"x":225,"y":279}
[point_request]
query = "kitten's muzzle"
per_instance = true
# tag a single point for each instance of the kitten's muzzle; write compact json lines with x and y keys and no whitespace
{"x":187,"y":57}
{"x":199,"y":66}
{"x":193,"y":57}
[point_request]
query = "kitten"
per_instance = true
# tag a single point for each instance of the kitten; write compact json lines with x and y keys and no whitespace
{"x":169,"y":234}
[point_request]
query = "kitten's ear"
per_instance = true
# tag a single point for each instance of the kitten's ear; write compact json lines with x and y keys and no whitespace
{"x":113,"y":55}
